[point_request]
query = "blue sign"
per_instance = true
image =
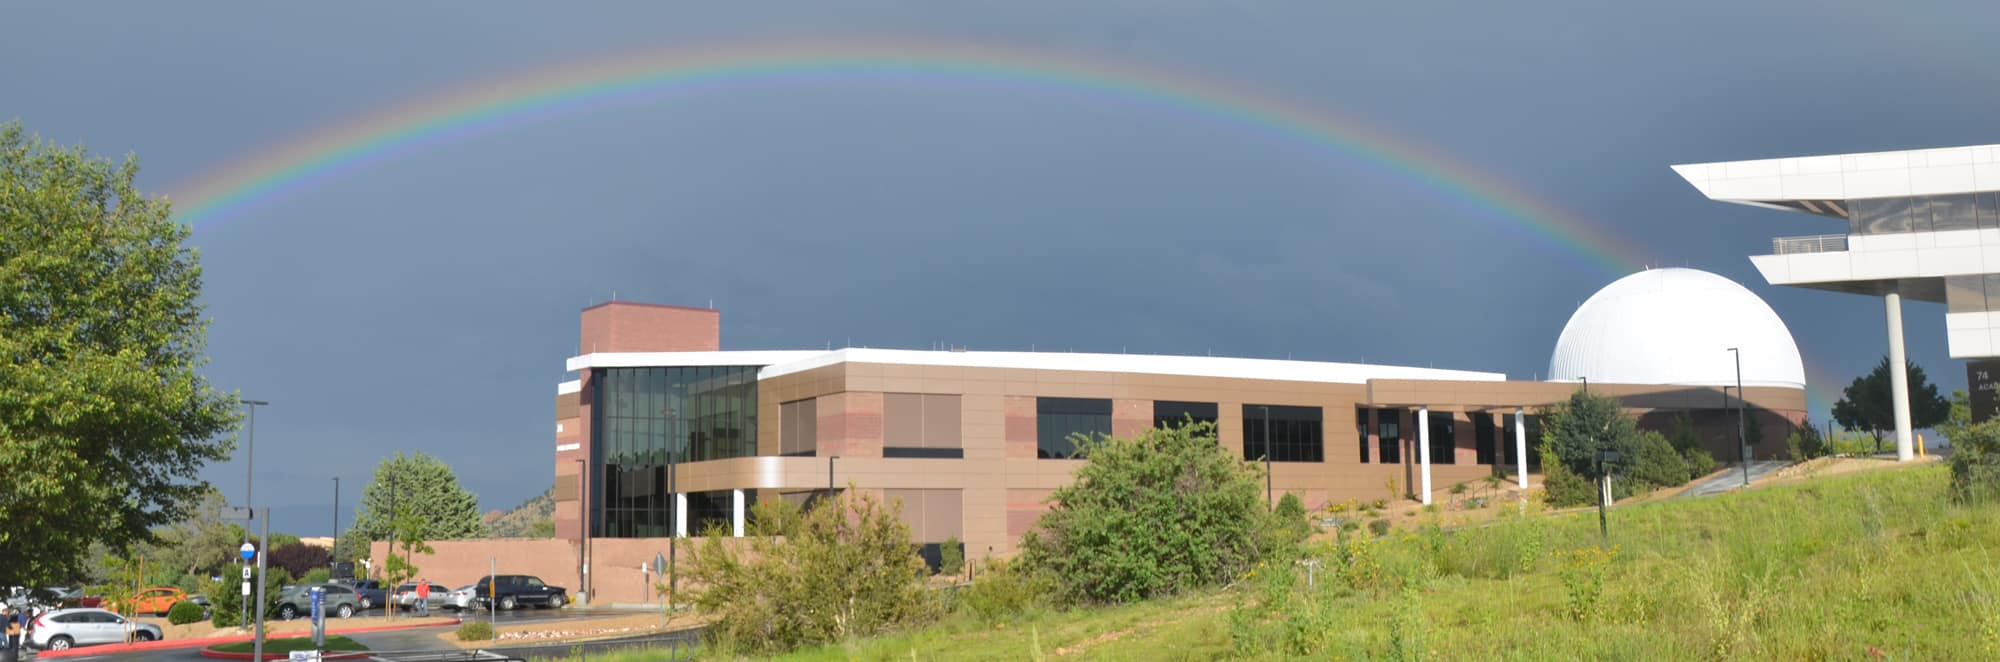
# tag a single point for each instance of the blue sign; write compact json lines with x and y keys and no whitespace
{"x":248,"y":551}
{"x":319,"y":601}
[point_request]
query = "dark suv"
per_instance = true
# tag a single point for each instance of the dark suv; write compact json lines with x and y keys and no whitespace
{"x":515,"y":590}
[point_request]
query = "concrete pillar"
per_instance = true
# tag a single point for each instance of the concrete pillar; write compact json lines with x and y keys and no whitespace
{"x":1899,"y":374}
{"x":1424,"y":450}
{"x":680,"y":515}
{"x":736,"y":524}
{"x":1521,"y":446}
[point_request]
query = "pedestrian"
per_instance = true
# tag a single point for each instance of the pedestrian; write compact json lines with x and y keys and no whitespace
{"x":423,"y":597}
{"x":10,"y":644}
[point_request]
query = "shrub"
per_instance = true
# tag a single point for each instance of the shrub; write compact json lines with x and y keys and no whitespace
{"x":1379,"y":527}
{"x":316,"y":576}
{"x":951,"y":557}
{"x":1286,"y":529}
{"x":1582,"y":572}
{"x":1165,"y":512}
{"x":1002,"y":591}
{"x":1657,"y":463}
{"x":1699,"y":462}
{"x":475,"y":631}
{"x":1563,"y":487}
{"x":1975,"y":462}
{"x":183,"y":613}
{"x":1805,"y":443}
{"x":841,"y":570}
{"x":225,"y":599}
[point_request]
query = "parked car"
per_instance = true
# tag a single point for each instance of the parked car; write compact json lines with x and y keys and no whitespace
{"x":63,"y":629}
{"x":461,"y":598}
{"x":406,"y":596}
{"x":296,"y":601}
{"x":156,"y":600}
{"x":510,"y":591}
{"x":371,"y":591}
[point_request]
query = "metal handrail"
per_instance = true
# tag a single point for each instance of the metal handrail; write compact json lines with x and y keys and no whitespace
{"x":1821,"y":243}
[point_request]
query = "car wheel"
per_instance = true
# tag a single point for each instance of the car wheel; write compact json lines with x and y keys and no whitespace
{"x":288,"y":612}
{"x":346,"y":611}
{"x":558,"y":601}
{"x":61,"y":642}
{"x":507,"y":603}
{"x":143,"y":635}
{"x":367,"y":604}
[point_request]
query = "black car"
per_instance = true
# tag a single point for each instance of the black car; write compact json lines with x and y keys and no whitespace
{"x":512,"y":591}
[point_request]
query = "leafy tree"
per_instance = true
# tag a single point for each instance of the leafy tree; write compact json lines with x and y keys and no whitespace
{"x":425,"y":488}
{"x":1165,"y":512}
{"x":1959,"y":419}
{"x":1577,"y":429}
{"x":1681,"y":433}
{"x":1561,"y":487}
{"x":104,"y":419}
{"x":841,"y":570}
{"x":399,"y":568}
{"x":299,"y":558}
{"x":226,"y":600}
{"x":1867,"y":406}
{"x":283,"y":540}
{"x":1657,"y":464}
{"x":1805,"y":443}
{"x":200,"y":544}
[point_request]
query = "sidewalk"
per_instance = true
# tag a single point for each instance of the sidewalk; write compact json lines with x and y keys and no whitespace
{"x":204,"y":642}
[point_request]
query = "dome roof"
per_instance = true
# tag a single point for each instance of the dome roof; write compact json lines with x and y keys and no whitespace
{"x":1675,"y":326}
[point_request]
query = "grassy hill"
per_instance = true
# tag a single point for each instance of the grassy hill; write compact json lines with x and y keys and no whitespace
{"x":523,"y":520}
{"x":1874,"y":565}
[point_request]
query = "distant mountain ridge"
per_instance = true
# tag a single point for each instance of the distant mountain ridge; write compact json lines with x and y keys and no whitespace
{"x":533,"y":519}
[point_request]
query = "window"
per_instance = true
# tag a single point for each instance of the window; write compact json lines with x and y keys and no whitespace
{"x":646,"y":419}
{"x":1953,"y":212}
{"x":1170,"y":414}
{"x":798,"y":428}
{"x":1483,"y":437}
{"x":1294,"y":433}
{"x":1444,"y":436}
{"x":534,"y":582}
{"x":1361,"y":430}
{"x":1880,"y":216}
{"x":1056,"y":419}
{"x":1391,"y":438}
{"x":921,"y":425}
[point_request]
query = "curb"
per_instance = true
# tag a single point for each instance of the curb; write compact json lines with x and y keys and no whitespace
{"x":213,"y":654}
{"x":205,"y":642}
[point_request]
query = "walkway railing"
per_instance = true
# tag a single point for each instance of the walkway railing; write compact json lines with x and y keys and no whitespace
{"x":1823,"y":243}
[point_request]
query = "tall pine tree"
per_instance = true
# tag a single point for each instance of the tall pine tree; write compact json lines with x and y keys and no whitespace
{"x":424,"y":488}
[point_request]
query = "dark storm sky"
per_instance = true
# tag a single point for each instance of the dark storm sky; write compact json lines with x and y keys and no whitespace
{"x":427,"y":303}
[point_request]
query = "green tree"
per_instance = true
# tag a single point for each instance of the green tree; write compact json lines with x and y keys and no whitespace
{"x":104,"y":419}
{"x":425,"y":488}
{"x":201,"y":544}
{"x":841,"y":570}
{"x":1579,"y":428}
{"x":1165,"y":512}
{"x":401,"y":567}
{"x":1867,"y":406}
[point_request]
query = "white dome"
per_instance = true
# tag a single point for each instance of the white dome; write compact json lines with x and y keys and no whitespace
{"x":1675,"y":326}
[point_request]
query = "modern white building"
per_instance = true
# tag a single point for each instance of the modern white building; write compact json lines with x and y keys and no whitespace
{"x":1923,"y":224}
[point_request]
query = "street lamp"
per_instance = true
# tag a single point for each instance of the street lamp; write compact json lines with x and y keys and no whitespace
{"x":1742,"y":440}
{"x":249,"y":470}
{"x":336,"y":514}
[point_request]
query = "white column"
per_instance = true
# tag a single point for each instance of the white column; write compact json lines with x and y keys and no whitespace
{"x":736,"y":526}
{"x":1899,"y":374}
{"x":680,"y":515}
{"x":1424,"y":449}
{"x":1521,"y":446}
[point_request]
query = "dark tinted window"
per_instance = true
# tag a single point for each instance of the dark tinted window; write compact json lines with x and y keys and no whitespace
{"x":646,"y":418}
{"x":1444,"y":437}
{"x":1391,"y":436}
{"x":1170,"y":414}
{"x":1056,"y":419}
{"x":1294,"y":433}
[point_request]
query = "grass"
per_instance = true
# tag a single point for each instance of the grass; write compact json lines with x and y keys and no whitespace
{"x":334,"y":642}
{"x":1879,"y":564}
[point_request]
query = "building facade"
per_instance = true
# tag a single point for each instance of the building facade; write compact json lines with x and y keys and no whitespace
{"x":664,"y":434}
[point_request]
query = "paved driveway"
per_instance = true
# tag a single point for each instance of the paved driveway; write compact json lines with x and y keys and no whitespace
{"x":1733,"y":479}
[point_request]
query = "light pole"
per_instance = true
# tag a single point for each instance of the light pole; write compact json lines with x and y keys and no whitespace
{"x":249,"y":482}
{"x":1268,"y":503}
{"x":1742,"y":441}
{"x":336,"y":515}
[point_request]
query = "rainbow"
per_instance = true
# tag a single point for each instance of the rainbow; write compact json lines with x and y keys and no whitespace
{"x":330,"y":153}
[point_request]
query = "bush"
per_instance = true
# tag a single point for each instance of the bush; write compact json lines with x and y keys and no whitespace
{"x":183,"y":613}
{"x":1286,"y":529}
{"x":1805,"y":443}
{"x":225,"y":598}
{"x":1379,"y":527}
{"x":1975,"y":462}
{"x":1564,"y":488}
{"x":1699,"y":462}
{"x":299,"y":558}
{"x":475,"y":631}
{"x":1658,"y":464}
{"x":1165,"y":512}
{"x":316,"y":576}
{"x":951,"y":557}
{"x":1003,"y":591}
{"x":842,"y":570}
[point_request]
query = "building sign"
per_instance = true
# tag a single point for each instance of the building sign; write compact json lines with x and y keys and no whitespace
{"x":1982,"y":380}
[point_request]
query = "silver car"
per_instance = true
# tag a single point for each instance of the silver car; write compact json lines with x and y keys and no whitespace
{"x":296,"y":601}
{"x":63,"y":629}
{"x":440,"y":598}
{"x":463,"y":597}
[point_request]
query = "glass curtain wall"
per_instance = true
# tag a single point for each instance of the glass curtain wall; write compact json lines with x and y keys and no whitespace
{"x":643,"y":420}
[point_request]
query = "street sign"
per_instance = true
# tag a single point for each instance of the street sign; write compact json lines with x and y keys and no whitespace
{"x":248,"y":551}
{"x":659,"y":562}
{"x":236,"y":513}
{"x":246,"y":588}
{"x":1982,"y":379}
{"x":246,"y":573}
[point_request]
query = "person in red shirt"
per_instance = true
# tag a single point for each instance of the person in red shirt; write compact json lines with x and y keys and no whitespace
{"x":423,"y":597}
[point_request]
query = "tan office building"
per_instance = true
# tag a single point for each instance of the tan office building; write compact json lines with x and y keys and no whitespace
{"x":665,"y":434}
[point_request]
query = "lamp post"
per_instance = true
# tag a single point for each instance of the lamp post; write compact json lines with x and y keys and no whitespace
{"x":1268,"y":503}
{"x":336,"y":514}
{"x":1742,"y":441}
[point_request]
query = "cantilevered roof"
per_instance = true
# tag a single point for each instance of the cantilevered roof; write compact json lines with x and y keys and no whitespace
{"x":787,"y":362}
{"x":1823,"y":184}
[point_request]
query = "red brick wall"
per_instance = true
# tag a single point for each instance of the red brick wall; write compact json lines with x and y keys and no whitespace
{"x":624,"y":326}
{"x":614,"y":567}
